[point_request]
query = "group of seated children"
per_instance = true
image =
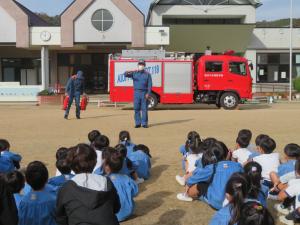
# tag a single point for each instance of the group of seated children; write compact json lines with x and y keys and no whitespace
{"x":94,"y":184}
{"x":238,"y":182}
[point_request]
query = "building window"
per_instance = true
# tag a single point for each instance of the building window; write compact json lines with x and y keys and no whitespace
{"x":238,"y":68}
{"x":274,"y":67}
{"x":102,"y":20}
{"x":212,"y":67}
{"x":25,"y":71}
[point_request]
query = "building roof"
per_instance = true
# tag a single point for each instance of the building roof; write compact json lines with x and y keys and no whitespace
{"x":255,"y":3}
{"x":34,"y":20}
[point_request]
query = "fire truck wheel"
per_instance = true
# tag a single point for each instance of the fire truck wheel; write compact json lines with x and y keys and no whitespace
{"x":229,"y":101}
{"x":152,"y":101}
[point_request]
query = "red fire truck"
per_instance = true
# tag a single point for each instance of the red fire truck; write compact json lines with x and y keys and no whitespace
{"x":223,"y":80}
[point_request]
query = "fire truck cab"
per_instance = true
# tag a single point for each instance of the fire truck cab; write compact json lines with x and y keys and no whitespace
{"x":223,"y":80}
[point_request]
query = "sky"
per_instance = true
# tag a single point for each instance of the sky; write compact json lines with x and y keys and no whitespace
{"x":270,"y":10}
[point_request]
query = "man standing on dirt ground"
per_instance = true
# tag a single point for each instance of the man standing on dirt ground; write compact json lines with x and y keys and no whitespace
{"x":75,"y":87}
{"x":142,"y":84}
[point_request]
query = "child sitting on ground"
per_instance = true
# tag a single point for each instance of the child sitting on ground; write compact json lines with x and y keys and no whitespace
{"x":38,"y":206}
{"x":10,"y":156}
{"x":208,"y":183}
{"x":101,"y":142}
{"x":92,"y":136}
{"x":257,"y":141}
{"x":192,"y":135}
{"x":195,"y":154}
{"x":241,"y":153}
{"x":186,"y":149}
{"x":125,"y":139}
{"x":63,"y":167}
{"x":141,"y":157}
{"x":10,"y":183}
{"x":290,"y":195}
{"x":236,"y":192}
{"x":87,"y":198}
{"x":257,"y":191}
{"x":286,"y":170}
{"x":241,"y":208}
{"x":268,"y":159}
{"x":14,"y":182}
{"x":127,"y":189}
{"x":128,"y":168}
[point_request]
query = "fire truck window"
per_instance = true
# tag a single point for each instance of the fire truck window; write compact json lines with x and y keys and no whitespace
{"x":238,"y":68}
{"x":214,"y":66}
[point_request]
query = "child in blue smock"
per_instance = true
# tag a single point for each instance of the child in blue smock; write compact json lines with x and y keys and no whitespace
{"x":127,"y":189}
{"x":14,"y":158}
{"x":141,"y":157}
{"x":38,"y":206}
{"x":63,"y":167}
{"x":208,"y":183}
{"x":236,"y":192}
{"x":286,"y":170}
{"x":6,"y":165}
{"x":125,"y":139}
{"x":257,"y":190}
{"x":128,"y":168}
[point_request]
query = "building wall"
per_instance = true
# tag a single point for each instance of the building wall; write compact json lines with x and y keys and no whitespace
{"x":7,"y":27}
{"x":36,"y":32}
{"x":247,"y":12}
{"x":274,"y":38}
{"x":119,"y":32}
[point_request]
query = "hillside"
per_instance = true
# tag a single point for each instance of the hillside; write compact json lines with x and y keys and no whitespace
{"x":278,"y":23}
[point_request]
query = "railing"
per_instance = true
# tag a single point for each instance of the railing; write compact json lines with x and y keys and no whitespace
{"x":274,"y":88}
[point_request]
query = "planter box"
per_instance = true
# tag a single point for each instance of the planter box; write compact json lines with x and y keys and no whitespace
{"x":50,"y":100}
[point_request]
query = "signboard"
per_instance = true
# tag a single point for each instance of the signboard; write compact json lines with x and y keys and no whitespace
{"x":154,"y":68}
{"x":20,"y":93}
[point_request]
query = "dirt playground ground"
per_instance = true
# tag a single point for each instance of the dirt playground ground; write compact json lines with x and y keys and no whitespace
{"x":36,"y":133}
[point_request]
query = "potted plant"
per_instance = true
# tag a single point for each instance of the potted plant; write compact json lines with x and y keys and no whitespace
{"x":296,"y":83}
{"x":48,"y":97}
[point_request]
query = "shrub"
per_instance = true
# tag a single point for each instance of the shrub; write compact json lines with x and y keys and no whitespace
{"x":297,"y":84}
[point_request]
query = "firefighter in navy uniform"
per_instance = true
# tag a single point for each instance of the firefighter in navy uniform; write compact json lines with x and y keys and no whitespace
{"x":142,"y":84}
{"x":74,"y":88}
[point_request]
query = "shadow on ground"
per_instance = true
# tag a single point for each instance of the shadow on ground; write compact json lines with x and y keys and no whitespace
{"x":170,"y":122}
{"x":202,"y":107}
{"x":151,"y":202}
{"x":96,"y":117}
{"x":172,"y":217}
{"x":254,"y":106}
{"x":155,"y":174}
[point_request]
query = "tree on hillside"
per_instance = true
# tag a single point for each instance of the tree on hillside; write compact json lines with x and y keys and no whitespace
{"x":51,"y":20}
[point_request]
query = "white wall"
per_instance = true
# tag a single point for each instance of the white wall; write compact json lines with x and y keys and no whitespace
{"x":274,"y":38}
{"x":55,"y":35}
{"x":7,"y":27}
{"x":246,"y":12}
{"x":157,"y":35}
{"x":119,"y":32}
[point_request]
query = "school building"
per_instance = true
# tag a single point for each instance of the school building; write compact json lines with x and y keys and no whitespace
{"x":35,"y":56}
